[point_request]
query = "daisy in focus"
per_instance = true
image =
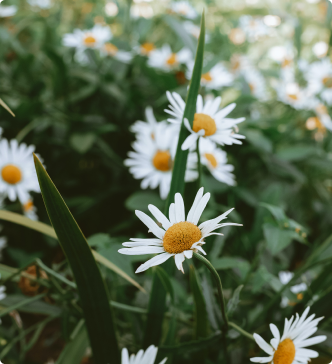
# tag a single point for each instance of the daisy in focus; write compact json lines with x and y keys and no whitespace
{"x":17,"y":171}
{"x":215,"y":79}
{"x":166,"y":60}
{"x":215,"y":161}
{"x":290,"y":348}
{"x":147,"y":357}
{"x":178,"y":236}
{"x":184,"y":9}
{"x":7,"y":11}
{"x":209,"y":122}
{"x":153,"y":156}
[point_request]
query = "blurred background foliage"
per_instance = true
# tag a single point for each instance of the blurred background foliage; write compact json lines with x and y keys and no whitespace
{"x":78,"y":116}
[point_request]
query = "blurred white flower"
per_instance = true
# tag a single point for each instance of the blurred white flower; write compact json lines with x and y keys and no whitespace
{"x":153,"y":156}
{"x":284,"y":55}
{"x":298,"y":289}
{"x":194,"y":30}
{"x":109,"y":49}
{"x":320,"y":49}
{"x":209,"y":122}
{"x":164,"y":59}
{"x":30,"y":210}
{"x":179,"y":237}
{"x":42,"y":4}
{"x":215,"y":79}
{"x":184,"y":8}
{"x":256,"y":82}
{"x":253,"y":27}
{"x":323,"y":119}
{"x":7,"y":11}
{"x":147,"y":357}
{"x":144,"y":129}
{"x":17,"y":170}
{"x":290,"y":348}
{"x":272,"y":20}
{"x":237,"y":36}
{"x":141,"y":10}
{"x":2,"y":292}
{"x":292,"y":94}
{"x":111,"y":9}
{"x":215,"y":160}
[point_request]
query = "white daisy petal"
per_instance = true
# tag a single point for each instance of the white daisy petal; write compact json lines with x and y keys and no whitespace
{"x":160,"y":217}
{"x":153,"y":227}
{"x":198,"y":197}
{"x":179,"y":208}
{"x":159,"y":259}
{"x":179,"y":258}
{"x":262,"y":360}
{"x":263,"y":344}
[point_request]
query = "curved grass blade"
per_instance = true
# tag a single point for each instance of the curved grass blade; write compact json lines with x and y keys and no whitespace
{"x":48,"y":230}
{"x":90,"y":285}
{"x":157,"y":304}
{"x":4,"y":105}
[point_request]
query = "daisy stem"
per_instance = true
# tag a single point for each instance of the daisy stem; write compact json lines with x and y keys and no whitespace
{"x":241,"y":331}
{"x":219,"y":286}
{"x":199,"y":166}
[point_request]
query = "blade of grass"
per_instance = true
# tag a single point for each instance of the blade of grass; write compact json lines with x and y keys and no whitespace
{"x":157,"y":303}
{"x":90,"y":285}
{"x":48,"y":230}
{"x":3,"y":104}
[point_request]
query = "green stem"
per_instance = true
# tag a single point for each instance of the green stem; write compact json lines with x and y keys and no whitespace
{"x":241,"y":331}
{"x":219,"y":286}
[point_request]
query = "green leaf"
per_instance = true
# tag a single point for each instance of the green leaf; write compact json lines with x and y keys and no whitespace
{"x":74,"y":351}
{"x":234,"y":301}
{"x":137,"y":201}
{"x":90,"y":285}
{"x":165,"y":280}
{"x":157,"y":304}
{"x":278,"y":239}
{"x":296,"y":152}
{"x":82,"y":142}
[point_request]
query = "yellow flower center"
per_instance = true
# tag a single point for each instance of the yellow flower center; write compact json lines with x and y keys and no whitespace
{"x":146,"y":48}
{"x":180,"y":237}
{"x":321,"y":109}
{"x":28,"y":206}
{"x":327,"y":81}
{"x":162,"y":161}
{"x":205,"y":122}
{"x":285,"y":353}
{"x":299,"y":296}
{"x":172,"y":60}
{"x":89,"y":40}
{"x":206,"y":77}
{"x":111,"y":49}
{"x":211,"y":158}
{"x":11,"y":174}
{"x":252,"y":87}
{"x":313,"y":123}
{"x":286,"y":62}
{"x":293,"y":96}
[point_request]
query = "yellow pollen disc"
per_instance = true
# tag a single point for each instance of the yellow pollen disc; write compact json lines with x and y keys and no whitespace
{"x":172,"y":60}
{"x":293,"y":96}
{"x":211,"y":158}
{"x":11,"y":174}
{"x":180,"y":237}
{"x":162,"y":161}
{"x":89,"y":40}
{"x":286,"y":62}
{"x":28,"y":206}
{"x":321,"y":109}
{"x":147,"y":47}
{"x":252,"y":87}
{"x":207,"y":77}
{"x":299,"y":296}
{"x":110,"y":48}
{"x":203,"y":121}
{"x":285,"y":353}
{"x":327,"y":81}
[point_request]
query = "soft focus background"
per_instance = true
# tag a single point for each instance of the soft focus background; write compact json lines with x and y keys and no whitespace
{"x":77,"y":107}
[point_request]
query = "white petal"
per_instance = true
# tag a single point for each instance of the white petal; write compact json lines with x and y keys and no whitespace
{"x":188,"y":254}
{"x":172,"y":216}
{"x":190,"y":141}
{"x":159,"y":259}
{"x":275,"y":331}
{"x":179,"y":208}
{"x":261,"y":360}
{"x":179,"y":258}
{"x":142,"y":250}
{"x":198,"y":197}
{"x":160,"y":217}
{"x":263,"y":344}
{"x":153,"y":227}
{"x":200,"y":208}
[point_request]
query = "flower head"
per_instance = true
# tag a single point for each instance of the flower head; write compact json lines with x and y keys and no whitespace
{"x":7,"y":11}
{"x":290,"y":348}
{"x":17,"y":172}
{"x":209,"y":121}
{"x":178,"y":236}
{"x":147,"y":357}
{"x":184,"y":8}
{"x":166,"y":60}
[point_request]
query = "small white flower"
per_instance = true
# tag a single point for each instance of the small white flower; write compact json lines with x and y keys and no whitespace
{"x":184,"y":8}
{"x":290,"y":348}
{"x":256,"y":83}
{"x":111,"y":9}
{"x":147,"y":357}
{"x":145,"y":129}
{"x":215,"y":79}
{"x":17,"y":170}
{"x":284,"y":55}
{"x":178,"y":237}
{"x":324,"y":119}
{"x":30,"y":210}
{"x":254,"y":27}
{"x":285,"y":277}
{"x":7,"y":11}
{"x":109,"y":49}
{"x":292,"y":94}
{"x":2,"y":292}
{"x":153,"y":156}
{"x":320,"y":49}
{"x":166,"y":60}
{"x":215,"y":161}
{"x":209,"y":121}
{"x":42,"y":4}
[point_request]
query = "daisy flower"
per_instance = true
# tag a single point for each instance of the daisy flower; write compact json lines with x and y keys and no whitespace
{"x":83,"y":39}
{"x":145,"y":48}
{"x":215,"y":79}
{"x":290,"y":348}
{"x":184,"y":8}
{"x":253,"y":27}
{"x":2,"y":292}
{"x":166,"y":60}
{"x":147,"y":357}
{"x":109,"y":49}
{"x":292,"y":94}
{"x":209,"y":121}
{"x":7,"y":11}
{"x":145,"y":129}
{"x":153,"y":156}
{"x":256,"y":82}
{"x":42,"y":4}
{"x":17,"y":171}
{"x":320,"y":49}
{"x":177,"y":236}
{"x":319,"y":77}
{"x":284,"y":55}
{"x":297,"y":289}
{"x":30,"y":210}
